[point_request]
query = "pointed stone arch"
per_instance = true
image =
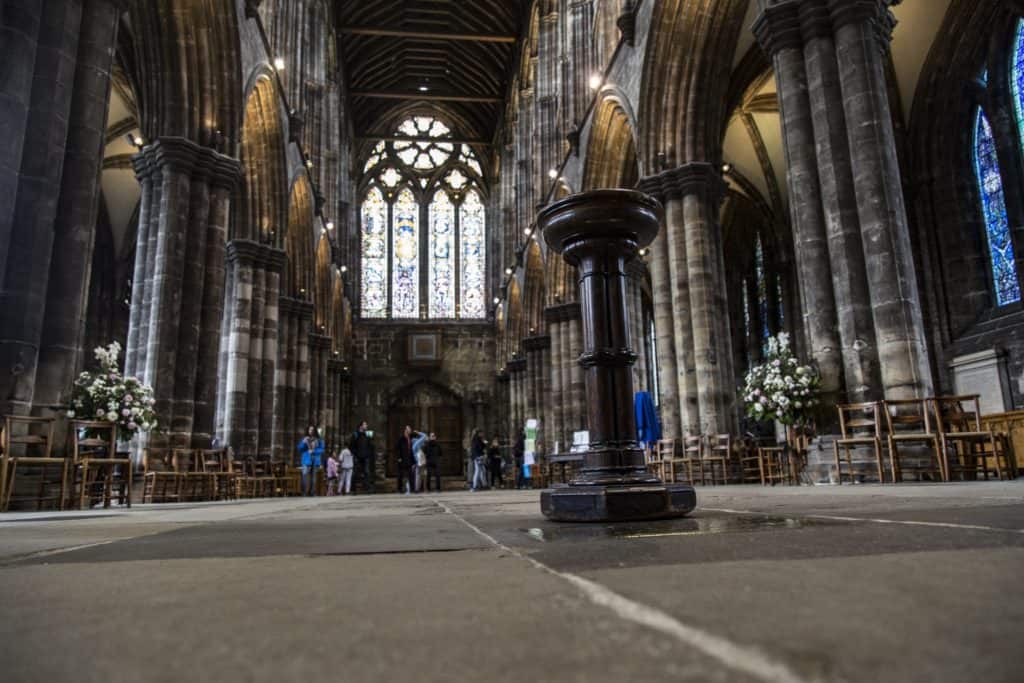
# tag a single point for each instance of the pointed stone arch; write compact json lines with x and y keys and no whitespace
{"x":611,"y":159}
{"x":263,"y":211}
{"x":298,"y":240}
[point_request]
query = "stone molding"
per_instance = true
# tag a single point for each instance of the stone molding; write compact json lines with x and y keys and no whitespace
{"x":516,"y":365}
{"x":502,"y":377}
{"x":298,"y":307}
{"x":563,"y":312}
{"x":694,"y":178}
{"x":788,"y":24}
{"x":537,"y":343}
{"x":320,"y":341}
{"x":627,"y":22}
{"x":184,"y":156}
{"x":337,"y":367}
{"x":608,"y":358}
{"x":257,"y":255}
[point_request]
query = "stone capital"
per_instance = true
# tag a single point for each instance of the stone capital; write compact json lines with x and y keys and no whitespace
{"x":695,"y":178}
{"x":536,"y":343}
{"x":298,"y":308}
{"x":777,"y":28}
{"x":563,"y":312}
{"x":873,"y":14}
{"x":516,"y":365}
{"x":256,"y":255}
{"x":337,"y":367}
{"x":627,"y":22}
{"x":319,"y":341}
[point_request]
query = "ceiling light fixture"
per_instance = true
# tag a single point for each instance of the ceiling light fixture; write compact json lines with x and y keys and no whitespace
{"x":595,"y":81}
{"x":508,"y":271}
{"x":279,"y":63}
{"x":330,"y":225}
{"x":553,"y":173}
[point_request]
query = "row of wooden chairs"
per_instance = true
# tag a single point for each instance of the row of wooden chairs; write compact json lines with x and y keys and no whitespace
{"x":701,"y":460}
{"x":947,"y":429}
{"x":172,"y":475}
{"x":92,"y":472}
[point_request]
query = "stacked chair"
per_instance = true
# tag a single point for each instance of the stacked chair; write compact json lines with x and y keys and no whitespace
{"x":98,"y":473}
{"x":26,"y":454}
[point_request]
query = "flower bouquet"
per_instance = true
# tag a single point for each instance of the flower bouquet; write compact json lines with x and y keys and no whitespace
{"x":781,"y":388}
{"x":108,"y":395}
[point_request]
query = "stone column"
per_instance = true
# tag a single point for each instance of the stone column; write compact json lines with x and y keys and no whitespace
{"x":778,"y":30}
{"x":535,"y":348}
{"x":557,"y":394}
{"x":61,"y":351}
{"x":599,"y":232}
{"x":682,"y":319}
{"x":36,"y":103}
{"x":579,"y":398}
{"x":664,"y":339}
{"x":863,"y":29}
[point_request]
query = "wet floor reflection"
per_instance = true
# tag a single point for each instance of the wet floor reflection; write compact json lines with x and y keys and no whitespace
{"x":688,"y":526}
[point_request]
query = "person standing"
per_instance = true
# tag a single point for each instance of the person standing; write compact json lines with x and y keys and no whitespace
{"x":419,"y":460}
{"x":518,"y":451}
{"x":477,"y":447}
{"x":332,"y":474}
{"x":362,"y":448}
{"x":494,"y":465}
{"x":345,"y":463}
{"x":311,"y":449}
{"x":404,"y":459}
{"x":432,"y":449}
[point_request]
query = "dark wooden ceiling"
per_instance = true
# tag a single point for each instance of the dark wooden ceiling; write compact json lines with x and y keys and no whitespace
{"x":460,"y":51}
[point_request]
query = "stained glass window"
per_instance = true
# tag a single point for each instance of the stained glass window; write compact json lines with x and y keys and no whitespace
{"x":993,"y":205}
{"x":405,"y":279}
{"x":746,"y":311}
{"x":762,"y":288}
{"x":374,"y":301}
{"x":471,"y":238}
{"x":441,"y":295}
{"x":779,"y":302}
{"x":1017,"y":78}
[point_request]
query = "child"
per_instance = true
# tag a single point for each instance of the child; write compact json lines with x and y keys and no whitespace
{"x":347,"y":463}
{"x":332,"y":474}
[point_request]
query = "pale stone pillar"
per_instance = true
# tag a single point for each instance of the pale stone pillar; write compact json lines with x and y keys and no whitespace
{"x":863,"y":29}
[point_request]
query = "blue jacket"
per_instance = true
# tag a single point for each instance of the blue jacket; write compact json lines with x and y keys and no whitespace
{"x":311,"y":458}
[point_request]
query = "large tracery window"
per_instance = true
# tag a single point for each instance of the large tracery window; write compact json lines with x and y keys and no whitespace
{"x":432,"y":190}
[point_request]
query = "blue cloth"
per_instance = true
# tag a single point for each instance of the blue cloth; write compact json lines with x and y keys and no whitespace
{"x":648,"y":427}
{"x":417,"y":443}
{"x":311,"y":458}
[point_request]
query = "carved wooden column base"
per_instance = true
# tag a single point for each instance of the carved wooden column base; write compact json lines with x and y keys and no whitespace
{"x":599,"y":233}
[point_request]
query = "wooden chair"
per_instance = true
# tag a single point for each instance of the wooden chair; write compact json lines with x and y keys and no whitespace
{"x":263,"y":477}
{"x":214,"y":463}
{"x":910,"y":421}
{"x":160,"y":483}
{"x":860,"y":425}
{"x":241,"y":469}
{"x":693,"y":459}
{"x":97,"y":471}
{"x":958,"y":423}
{"x":17,"y":441}
{"x":770,"y":460}
{"x":661,"y":459}
{"x":718,"y":458}
{"x":750,"y":469}
{"x":652,"y":460}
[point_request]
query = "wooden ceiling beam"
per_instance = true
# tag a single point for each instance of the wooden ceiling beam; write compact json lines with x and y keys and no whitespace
{"x":428,"y":96}
{"x":443,"y":36}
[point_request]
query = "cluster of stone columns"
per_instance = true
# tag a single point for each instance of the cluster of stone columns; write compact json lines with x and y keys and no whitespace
{"x":54,"y":101}
{"x":694,"y":344}
{"x":291,"y":392}
{"x":250,"y":345}
{"x":517,"y":396}
{"x":862,"y":313}
{"x":566,"y":412}
{"x":177,"y":289}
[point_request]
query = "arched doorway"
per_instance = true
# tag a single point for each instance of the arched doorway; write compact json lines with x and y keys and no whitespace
{"x":431,"y":407}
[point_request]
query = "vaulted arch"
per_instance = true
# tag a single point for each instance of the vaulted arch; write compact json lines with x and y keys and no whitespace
{"x":263,"y":211}
{"x":298,"y":242}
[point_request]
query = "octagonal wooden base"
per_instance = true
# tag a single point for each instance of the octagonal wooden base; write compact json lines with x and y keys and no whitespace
{"x":568,"y":503}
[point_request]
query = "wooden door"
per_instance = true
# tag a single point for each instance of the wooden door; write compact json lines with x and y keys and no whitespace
{"x":446,"y":423}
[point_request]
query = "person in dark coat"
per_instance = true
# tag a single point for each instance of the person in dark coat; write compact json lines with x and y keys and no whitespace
{"x":478,"y":455}
{"x":361,"y":445}
{"x":494,"y":465}
{"x":433,"y":452}
{"x":406,"y":459}
{"x":517,"y":454}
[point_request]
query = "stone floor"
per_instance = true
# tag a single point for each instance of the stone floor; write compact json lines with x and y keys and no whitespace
{"x":858,"y":583}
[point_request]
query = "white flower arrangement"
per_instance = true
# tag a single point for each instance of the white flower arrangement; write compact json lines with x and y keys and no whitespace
{"x":108,"y":395}
{"x":781,"y":388}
